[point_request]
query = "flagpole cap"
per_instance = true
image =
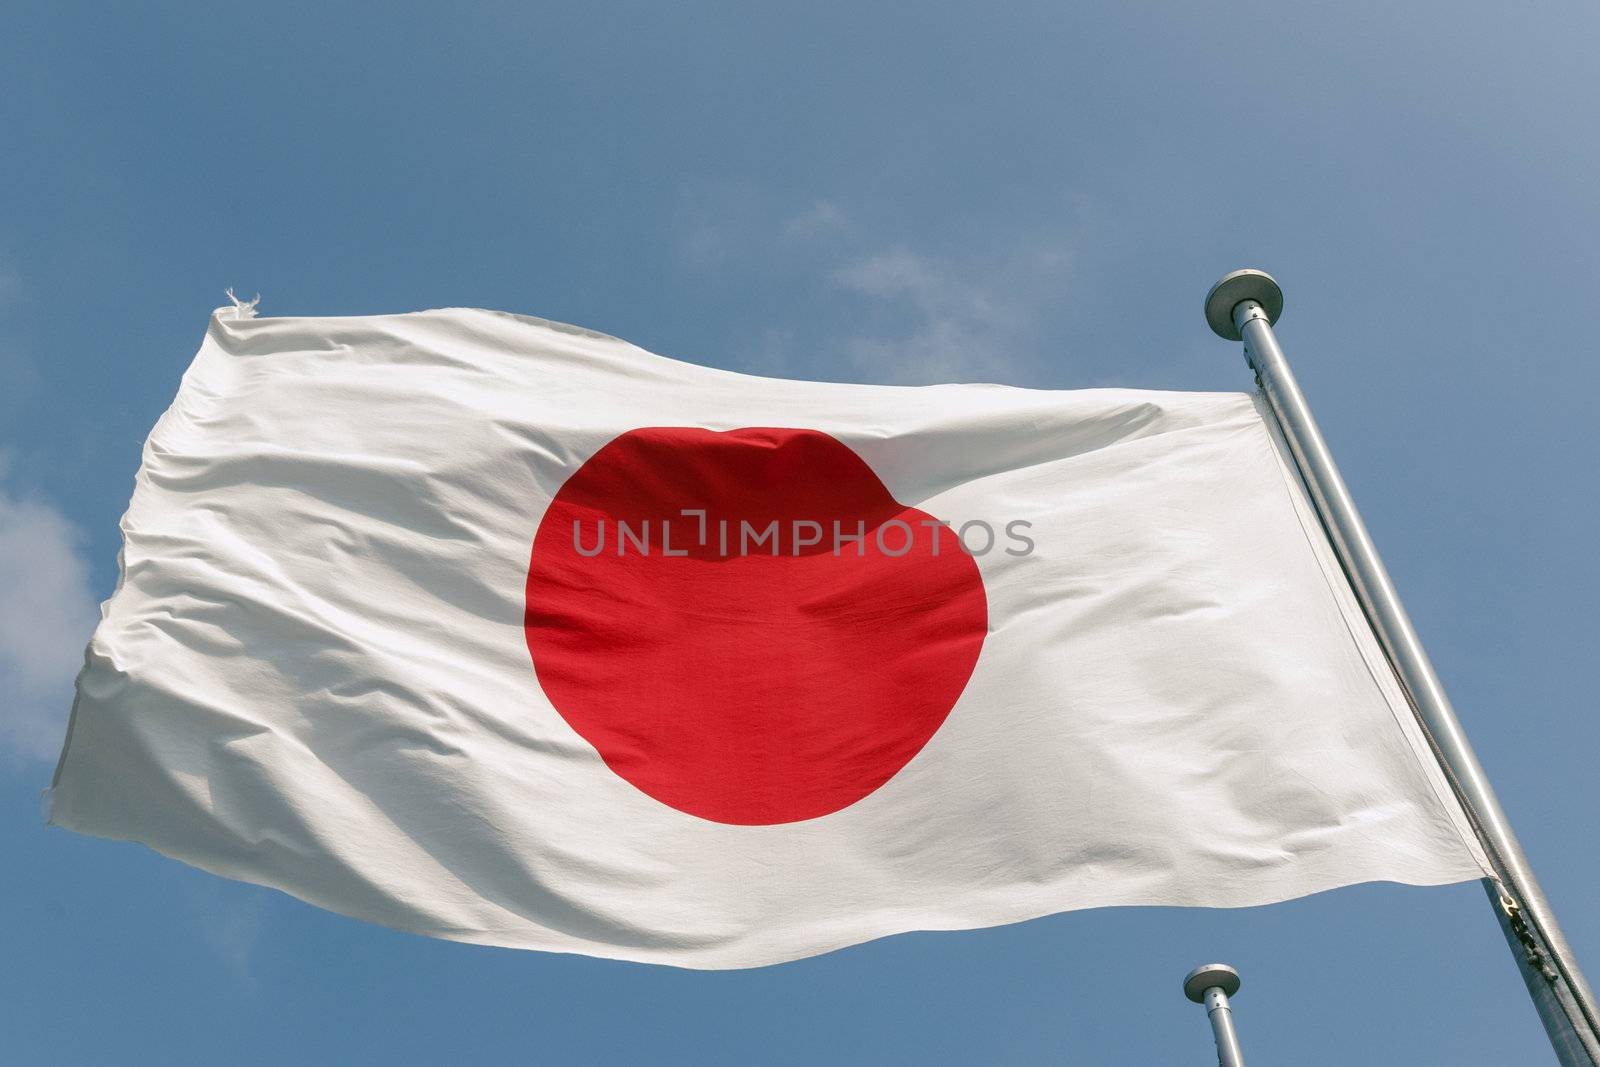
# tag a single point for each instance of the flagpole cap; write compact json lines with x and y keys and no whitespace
{"x":1234,"y":287}
{"x":1209,"y":976}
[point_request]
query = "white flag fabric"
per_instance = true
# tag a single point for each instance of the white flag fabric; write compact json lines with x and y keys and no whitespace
{"x":498,"y":630}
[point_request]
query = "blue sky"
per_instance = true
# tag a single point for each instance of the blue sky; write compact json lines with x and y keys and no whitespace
{"x":1036,"y":194}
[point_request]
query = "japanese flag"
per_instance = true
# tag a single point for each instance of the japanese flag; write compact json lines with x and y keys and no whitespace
{"x":499,"y":630}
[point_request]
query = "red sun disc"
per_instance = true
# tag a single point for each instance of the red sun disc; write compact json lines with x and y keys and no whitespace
{"x":748,"y":683}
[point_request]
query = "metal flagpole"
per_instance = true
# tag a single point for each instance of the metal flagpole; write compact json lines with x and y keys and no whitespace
{"x":1242,"y":307}
{"x":1212,"y":984}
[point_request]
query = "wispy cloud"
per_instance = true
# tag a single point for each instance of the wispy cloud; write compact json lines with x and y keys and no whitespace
{"x":230,"y":919}
{"x":943,"y":326}
{"x":905,"y":312}
{"x":47,"y":612}
{"x":821,"y":220}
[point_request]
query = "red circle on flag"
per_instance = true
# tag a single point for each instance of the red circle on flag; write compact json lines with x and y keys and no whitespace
{"x":739,"y":678}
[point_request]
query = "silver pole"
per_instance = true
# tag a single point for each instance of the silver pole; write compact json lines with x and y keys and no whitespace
{"x":1212,"y":984}
{"x":1243,"y":306}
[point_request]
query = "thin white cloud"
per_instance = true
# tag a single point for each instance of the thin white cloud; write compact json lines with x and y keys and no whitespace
{"x":231,"y":919}
{"x":902,"y":312}
{"x":822,"y":219}
{"x":941,"y":349}
{"x":938,"y":323}
{"x":716,"y":223}
{"x":47,"y":611}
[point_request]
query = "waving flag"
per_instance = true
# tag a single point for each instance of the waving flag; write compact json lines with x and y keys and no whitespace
{"x":499,"y":630}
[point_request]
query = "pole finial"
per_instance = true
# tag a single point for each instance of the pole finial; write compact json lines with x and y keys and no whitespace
{"x":1210,"y":976}
{"x":1237,"y":285}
